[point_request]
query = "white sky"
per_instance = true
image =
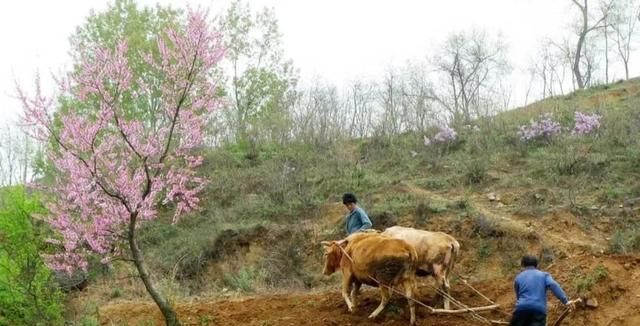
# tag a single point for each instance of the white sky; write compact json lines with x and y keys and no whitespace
{"x":337,"y":40}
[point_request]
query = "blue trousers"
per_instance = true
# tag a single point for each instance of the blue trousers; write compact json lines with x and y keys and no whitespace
{"x":528,"y":318}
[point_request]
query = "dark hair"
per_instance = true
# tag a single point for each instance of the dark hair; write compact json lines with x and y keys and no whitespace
{"x":529,"y":261}
{"x":349,"y":198}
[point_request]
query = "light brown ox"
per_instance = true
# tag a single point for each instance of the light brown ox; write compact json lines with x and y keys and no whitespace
{"x":370,"y":256}
{"x":437,"y":254}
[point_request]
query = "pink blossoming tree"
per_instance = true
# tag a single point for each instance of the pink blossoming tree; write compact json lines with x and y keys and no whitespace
{"x":114,"y":171}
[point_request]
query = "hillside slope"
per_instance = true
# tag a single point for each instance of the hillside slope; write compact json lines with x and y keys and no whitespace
{"x":251,"y":257}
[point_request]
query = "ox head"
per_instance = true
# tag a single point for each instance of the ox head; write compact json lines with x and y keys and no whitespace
{"x":332,"y":255}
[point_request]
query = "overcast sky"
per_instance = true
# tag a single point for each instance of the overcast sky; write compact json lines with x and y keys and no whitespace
{"x":337,"y":40}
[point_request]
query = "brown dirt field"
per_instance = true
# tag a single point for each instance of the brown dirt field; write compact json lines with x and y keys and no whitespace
{"x":618,"y":296}
{"x":580,"y":255}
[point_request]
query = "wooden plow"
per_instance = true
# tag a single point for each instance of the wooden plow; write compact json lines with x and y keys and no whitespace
{"x":462,"y":308}
{"x":474,"y":311}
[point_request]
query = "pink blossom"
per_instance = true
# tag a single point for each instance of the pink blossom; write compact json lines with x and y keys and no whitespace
{"x":544,"y":128}
{"x":113,"y":170}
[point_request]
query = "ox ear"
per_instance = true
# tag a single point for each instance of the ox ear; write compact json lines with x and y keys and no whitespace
{"x":342,"y":243}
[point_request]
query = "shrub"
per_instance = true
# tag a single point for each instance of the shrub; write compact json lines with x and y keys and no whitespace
{"x":444,"y":136}
{"x":586,"y":123}
{"x":545,"y":128}
{"x":625,"y":241}
{"x":483,"y":250}
{"x":241,"y":280}
{"x":28,"y":293}
{"x":485,"y":227}
{"x":585,"y":283}
{"x":476,"y":172}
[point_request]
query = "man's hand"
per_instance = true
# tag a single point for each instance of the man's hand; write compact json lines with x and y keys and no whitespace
{"x":571,"y":304}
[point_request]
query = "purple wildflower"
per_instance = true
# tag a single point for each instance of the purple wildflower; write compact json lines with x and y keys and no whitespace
{"x":586,"y":123}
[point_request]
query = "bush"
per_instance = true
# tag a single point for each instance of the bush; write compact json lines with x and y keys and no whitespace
{"x":483,"y":250}
{"x":476,"y":172}
{"x":625,"y":241}
{"x":586,"y":123}
{"x":545,"y":128}
{"x":585,"y":283}
{"x":28,"y":293}
{"x":485,"y":227}
{"x":241,"y":280}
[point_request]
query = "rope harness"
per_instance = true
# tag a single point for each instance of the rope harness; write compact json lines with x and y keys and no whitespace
{"x":432,"y":310}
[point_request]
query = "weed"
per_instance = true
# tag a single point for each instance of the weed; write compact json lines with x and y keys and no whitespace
{"x":206,"y":320}
{"x":116,"y":293}
{"x":485,"y":227}
{"x":585,"y":283}
{"x":437,"y":207}
{"x":89,"y":321}
{"x":483,"y":250}
{"x":476,"y":172}
{"x":547,"y":255}
{"x":625,"y":241}
{"x":241,"y":280}
{"x":422,"y":214}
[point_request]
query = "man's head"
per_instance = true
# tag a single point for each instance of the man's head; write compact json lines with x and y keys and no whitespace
{"x":529,"y":262}
{"x":349,"y":200}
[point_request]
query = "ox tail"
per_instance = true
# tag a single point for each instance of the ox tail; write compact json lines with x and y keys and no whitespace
{"x":451,"y":257}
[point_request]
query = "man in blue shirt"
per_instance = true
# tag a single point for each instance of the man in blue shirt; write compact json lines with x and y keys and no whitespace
{"x":357,"y":220}
{"x":531,"y":293}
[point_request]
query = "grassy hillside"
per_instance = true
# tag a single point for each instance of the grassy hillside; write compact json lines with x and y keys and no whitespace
{"x":265,"y":211}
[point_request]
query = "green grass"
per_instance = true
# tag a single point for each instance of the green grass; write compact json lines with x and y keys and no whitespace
{"x":287,"y":187}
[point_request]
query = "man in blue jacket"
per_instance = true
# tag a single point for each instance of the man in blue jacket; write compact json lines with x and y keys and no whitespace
{"x":357,"y":220}
{"x":531,"y":293}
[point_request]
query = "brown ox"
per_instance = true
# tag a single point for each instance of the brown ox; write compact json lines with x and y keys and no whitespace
{"x":437,"y":253}
{"x":369,"y":258}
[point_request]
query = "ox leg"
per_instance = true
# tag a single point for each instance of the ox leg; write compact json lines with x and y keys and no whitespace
{"x":346,"y":288}
{"x":384,"y":293}
{"x":409,"y":287}
{"x":446,"y":288}
{"x":438,"y":275}
{"x":355,"y":290}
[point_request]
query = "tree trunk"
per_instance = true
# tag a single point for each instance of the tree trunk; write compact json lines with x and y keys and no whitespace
{"x":576,"y":62}
{"x":606,"y":54}
{"x":170,"y":317}
{"x":580,"y":45}
{"x":626,"y":68}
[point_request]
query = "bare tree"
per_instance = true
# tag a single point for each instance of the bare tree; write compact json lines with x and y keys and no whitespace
{"x":605,"y":9}
{"x":549,"y":68}
{"x":317,"y":114}
{"x":9,"y":154}
{"x":625,"y":15}
{"x":470,"y":64}
{"x":582,"y":61}
{"x":418,"y":96}
{"x":359,"y":104}
{"x":392,"y":120}
{"x":16,"y":153}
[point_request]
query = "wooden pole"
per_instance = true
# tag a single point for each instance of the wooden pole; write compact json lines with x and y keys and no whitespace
{"x":461,"y":311}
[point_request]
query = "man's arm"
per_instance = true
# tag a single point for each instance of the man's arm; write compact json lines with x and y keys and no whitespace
{"x":516,"y":287}
{"x":364,"y":221}
{"x":556,"y":289}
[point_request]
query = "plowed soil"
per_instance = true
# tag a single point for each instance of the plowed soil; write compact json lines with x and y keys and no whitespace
{"x":618,"y":296}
